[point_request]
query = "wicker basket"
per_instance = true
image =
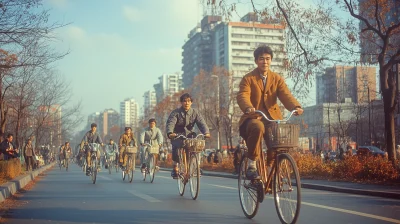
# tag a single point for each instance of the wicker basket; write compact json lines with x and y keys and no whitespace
{"x":195,"y":145}
{"x":154,"y":149}
{"x":131,"y":149}
{"x":283,"y":135}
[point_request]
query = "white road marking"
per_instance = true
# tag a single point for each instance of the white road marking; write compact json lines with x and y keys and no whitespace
{"x":333,"y":208}
{"x":232,"y":188}
{"x":144,"y":196}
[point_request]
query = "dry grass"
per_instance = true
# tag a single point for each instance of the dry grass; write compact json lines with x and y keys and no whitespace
{"x":10,"y":169}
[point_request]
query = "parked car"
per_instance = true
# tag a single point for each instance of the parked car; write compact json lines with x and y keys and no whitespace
{"x":370,"y":150}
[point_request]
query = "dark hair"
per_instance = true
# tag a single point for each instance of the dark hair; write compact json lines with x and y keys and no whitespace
{"x":111,"y":139}
{"x":185,"y":96}
{"x":263,"y":49}
{"x":152,"y":120}
{"x":10,"y":135}
{"x":93,"y":125}
{"x":127,"y":128}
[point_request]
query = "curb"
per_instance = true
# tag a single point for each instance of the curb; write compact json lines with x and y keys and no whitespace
{"x":9,"y":188}
{"x":382,"y":194}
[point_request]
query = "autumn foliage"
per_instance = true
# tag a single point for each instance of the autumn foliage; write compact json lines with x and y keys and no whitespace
{"x":352,"y":168}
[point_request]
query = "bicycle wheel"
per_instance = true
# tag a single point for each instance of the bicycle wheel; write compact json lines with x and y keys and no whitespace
{"x":116,"y":167}
{"x":109,"y":167}
{"x":181,"y":178}
{"x":130,"y":169}
{"x":287,"y":189}
{"x":248,"y":191}
{"x":194,"y":169}
{"x":152,"y":167}
{"x":94,"y":170}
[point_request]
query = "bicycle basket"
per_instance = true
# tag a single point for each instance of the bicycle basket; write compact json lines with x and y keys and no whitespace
{"x":94,"y":147}
{"x":283,"y":135}
{"x":153,"y":149}
{"x":131,"y":149}
{"x":196,"y":145}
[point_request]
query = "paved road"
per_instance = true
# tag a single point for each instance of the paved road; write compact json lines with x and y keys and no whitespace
{"x":70,"y":197}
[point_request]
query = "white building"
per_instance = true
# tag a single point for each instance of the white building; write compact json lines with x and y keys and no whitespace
{"x":234,"y":44}
{"x":150,"y":102}
{"x":168,"y":85}
{"x":129,"y":113}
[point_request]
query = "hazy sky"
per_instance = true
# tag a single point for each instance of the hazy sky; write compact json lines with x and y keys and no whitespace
{"x":118,"y":49}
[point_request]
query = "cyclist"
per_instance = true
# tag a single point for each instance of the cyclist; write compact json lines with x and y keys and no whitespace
{"x":91,"y":137}
{"x":151,"y":135}
{"x":181,"y":121}
{"x":126,"y":139}
{"x":259,"y":90}
{"x":113,"y":148}
{"x":66,"y":152}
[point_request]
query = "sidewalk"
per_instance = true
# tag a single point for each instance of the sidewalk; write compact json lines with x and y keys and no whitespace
{"x":392,"y":192}
{"x":12,"y":186}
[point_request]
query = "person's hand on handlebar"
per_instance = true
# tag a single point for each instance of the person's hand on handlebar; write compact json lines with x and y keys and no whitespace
{"x":172,"y":135}
{"x":299,"y":111}
{"x":250,"y":110}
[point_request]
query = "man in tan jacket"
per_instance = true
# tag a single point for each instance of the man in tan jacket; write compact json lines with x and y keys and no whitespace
{"x":260,"y":90}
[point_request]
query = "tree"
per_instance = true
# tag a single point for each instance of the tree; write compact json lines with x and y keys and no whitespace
{"x":329,"y":32}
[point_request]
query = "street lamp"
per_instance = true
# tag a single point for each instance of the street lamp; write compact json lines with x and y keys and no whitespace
{"x":218,"y":112}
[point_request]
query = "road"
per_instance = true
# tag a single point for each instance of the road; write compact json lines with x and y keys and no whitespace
{"x":70,"y":197}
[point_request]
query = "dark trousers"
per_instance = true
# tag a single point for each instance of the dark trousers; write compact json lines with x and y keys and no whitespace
{"x":176,"y":145}
{"x":29,"y":162}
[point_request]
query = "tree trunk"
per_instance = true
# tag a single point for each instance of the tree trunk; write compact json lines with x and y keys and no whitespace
{"x":388,"y":94}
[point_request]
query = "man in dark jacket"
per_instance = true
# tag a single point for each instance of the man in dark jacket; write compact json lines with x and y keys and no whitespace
{"x":8,"y":149}
{"x":181,"y":121}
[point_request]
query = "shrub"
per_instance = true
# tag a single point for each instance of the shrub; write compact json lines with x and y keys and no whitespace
{"x":10,"y":169}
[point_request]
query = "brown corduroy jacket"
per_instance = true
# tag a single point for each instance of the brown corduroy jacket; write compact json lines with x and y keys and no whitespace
{"x":253,"y":94}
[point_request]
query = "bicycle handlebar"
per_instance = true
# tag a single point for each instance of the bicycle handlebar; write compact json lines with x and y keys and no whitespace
{"x":277,"y":121}
{"x":184,"y":137}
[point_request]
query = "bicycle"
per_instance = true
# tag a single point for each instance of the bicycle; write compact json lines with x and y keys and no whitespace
{"x":109,"y":159}
{"x":282,"y":137}
{"x":190,"y":172}
{"x":93,"y":147}
{"x":130,"y":152}
{"x":150,"y":161}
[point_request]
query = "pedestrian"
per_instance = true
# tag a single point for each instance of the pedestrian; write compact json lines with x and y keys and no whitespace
{"x":29,"y":154}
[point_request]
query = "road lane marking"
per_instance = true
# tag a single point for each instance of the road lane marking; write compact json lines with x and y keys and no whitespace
{"x":144,"y":196}
{"x":352,"y":212}
{"x":221,"y":186}
{"x":332,"y":208}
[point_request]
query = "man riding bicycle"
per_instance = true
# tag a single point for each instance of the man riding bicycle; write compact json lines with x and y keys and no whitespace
{"x":112,"y":148}
{"x":151,"y":135}
{"x":91,"y":137}
{"x":66,"y":151}
{"x":181,"y":121}
{"x":259,"y":90}
{"x":126,"y":139}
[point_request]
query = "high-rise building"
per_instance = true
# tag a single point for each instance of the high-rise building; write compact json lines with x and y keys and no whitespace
{"x":150,"y":102}
{"x":129,"y":114}
{"x":197,"y":50}
{"x":231,"y":45}
{"x":168,"y":85}
{"x":110,"y":118}
{"x":340,"y":82}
